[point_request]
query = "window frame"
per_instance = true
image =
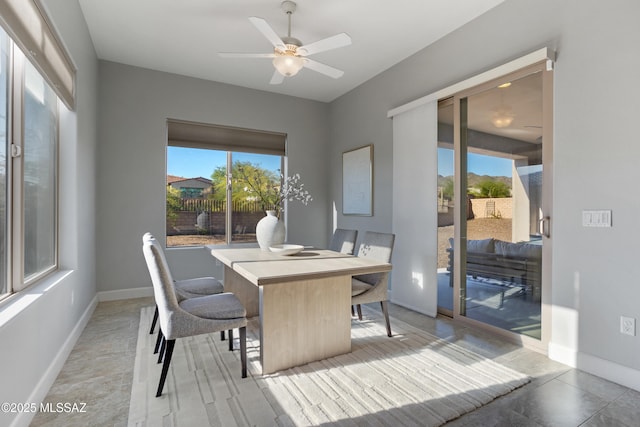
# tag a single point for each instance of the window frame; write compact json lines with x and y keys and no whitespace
{"x":17,"y":280}
{"x":229,"y":139}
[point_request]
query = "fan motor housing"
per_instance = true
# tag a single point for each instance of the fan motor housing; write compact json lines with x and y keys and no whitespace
{"x":292,"y":41}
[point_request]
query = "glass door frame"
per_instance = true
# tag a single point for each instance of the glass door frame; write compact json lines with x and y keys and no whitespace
{"x":460,"y":178}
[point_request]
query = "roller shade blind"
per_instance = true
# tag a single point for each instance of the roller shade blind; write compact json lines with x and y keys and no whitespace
{"x":28,"y":26}
{"x":415,"y":159}
{"x":227,"y":138}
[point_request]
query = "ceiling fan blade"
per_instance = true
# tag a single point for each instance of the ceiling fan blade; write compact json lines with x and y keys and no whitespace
{"x":266,"y":30}
{"x":334,"y":42}
{"x":323,"y":68}
{"x":277,"y":78}
{"x":245,"y":55}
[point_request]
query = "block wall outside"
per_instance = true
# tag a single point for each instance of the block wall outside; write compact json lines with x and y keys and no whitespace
{"x":212,"y":223}
{"x":492,"y":208}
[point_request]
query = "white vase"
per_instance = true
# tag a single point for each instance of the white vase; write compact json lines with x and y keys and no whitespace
{"x":270,"y":231}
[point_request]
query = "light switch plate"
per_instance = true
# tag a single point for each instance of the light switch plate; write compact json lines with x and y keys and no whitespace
{"x":596,"y":218}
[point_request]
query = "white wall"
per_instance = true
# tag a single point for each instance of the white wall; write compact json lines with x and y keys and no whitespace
{"x":39,"y":327}
{"x":595,"y":150}
{"x":134,"y":106}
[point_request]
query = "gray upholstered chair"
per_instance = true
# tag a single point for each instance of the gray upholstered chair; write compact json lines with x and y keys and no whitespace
{"x":188,"y":288}
{"x":344,"y":241}
{"x":368,"y":288}
{"x":181,"y":317}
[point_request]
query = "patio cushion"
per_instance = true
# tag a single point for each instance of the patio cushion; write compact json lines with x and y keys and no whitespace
{"x":485,"y":245}
{"x":521,"y":250}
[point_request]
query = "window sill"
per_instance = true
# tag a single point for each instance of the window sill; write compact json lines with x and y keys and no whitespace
{"x":13,"y":305}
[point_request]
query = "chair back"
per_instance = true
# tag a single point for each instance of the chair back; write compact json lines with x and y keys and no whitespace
{"x":378,"y":246}
{"x":163,"y":290}
{"x":344,"y":241}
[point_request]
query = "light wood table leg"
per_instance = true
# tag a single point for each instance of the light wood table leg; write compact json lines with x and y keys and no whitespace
{"x":304,"y":321}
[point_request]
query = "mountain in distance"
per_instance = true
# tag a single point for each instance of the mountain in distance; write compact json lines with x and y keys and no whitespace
{"x":473,"y":179}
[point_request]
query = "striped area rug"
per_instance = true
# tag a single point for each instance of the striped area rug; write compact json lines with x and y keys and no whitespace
{"x":413,"y":378}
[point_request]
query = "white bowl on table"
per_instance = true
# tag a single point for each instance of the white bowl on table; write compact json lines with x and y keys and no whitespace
{"x":286,"y":249}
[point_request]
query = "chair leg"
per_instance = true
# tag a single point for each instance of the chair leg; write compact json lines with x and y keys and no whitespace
{"x":163,"y":346}
{"x":385,"y":311}
{"x":153,"y":322}
{"x":352,"y":312}
{"x":165,"y":365}
{"x":243,"y":350}
{"x":230,"y":339}
{"x":158,"y":341}
{"x":359,"y":309}
{"x":221,"y":335}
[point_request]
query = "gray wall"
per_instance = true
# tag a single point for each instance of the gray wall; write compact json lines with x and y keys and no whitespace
{"x":134,"y":106}
{"x":39,"y":326}
{"x":595,"y":147}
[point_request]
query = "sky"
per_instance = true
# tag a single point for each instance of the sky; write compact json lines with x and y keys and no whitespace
{"x":193,"y":163}
{"x":476,"y":163}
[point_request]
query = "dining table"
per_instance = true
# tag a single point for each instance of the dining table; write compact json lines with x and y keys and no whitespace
{"x":303,"y":300}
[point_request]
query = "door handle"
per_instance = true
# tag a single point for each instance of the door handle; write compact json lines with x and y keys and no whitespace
{"x":544,"y":226}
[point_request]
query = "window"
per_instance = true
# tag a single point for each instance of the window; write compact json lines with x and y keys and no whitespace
{"x":28,"y":171}
{"x":4,"y":165}
{"x":214,"y":177}
{"x":39,"y":161}
{"x":191,"y":193}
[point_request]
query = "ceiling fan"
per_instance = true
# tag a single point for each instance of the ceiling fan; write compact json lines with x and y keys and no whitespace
{"x":289,"y":54}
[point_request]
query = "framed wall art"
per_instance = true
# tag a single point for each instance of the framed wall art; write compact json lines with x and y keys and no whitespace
{"x":357,"y":181}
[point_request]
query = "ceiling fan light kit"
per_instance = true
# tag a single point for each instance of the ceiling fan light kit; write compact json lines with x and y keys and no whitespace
{"x":288,"y":65}
{"x":289,"y":54}
{"x":502,"y":117}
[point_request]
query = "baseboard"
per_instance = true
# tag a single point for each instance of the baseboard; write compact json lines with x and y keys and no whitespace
{"x":46,"y":382}
{"x":125,"y":294}
{"x":606,"y":369}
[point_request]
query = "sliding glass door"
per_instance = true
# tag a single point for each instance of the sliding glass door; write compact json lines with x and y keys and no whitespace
{"x":500,"y":132}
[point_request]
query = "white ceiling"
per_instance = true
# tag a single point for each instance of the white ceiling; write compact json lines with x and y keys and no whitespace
{"x":184,"y":37}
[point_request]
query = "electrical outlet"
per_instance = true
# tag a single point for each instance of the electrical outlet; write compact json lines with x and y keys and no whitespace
{"x":628,"y":326}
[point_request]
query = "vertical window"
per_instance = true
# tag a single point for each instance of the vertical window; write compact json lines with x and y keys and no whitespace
{"x":215,"y":178}
{"x":28,"y":171}
{"x":39,"y":177}
{"x":4,"y":164}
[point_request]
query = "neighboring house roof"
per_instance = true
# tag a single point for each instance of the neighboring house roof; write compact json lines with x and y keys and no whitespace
{"x":171,"y":179}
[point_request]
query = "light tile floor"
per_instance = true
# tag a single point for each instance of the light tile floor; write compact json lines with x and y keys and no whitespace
{"x":100,"y":368}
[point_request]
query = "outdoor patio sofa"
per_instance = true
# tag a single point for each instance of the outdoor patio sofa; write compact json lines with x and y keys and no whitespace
{"x":518,"y":263}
